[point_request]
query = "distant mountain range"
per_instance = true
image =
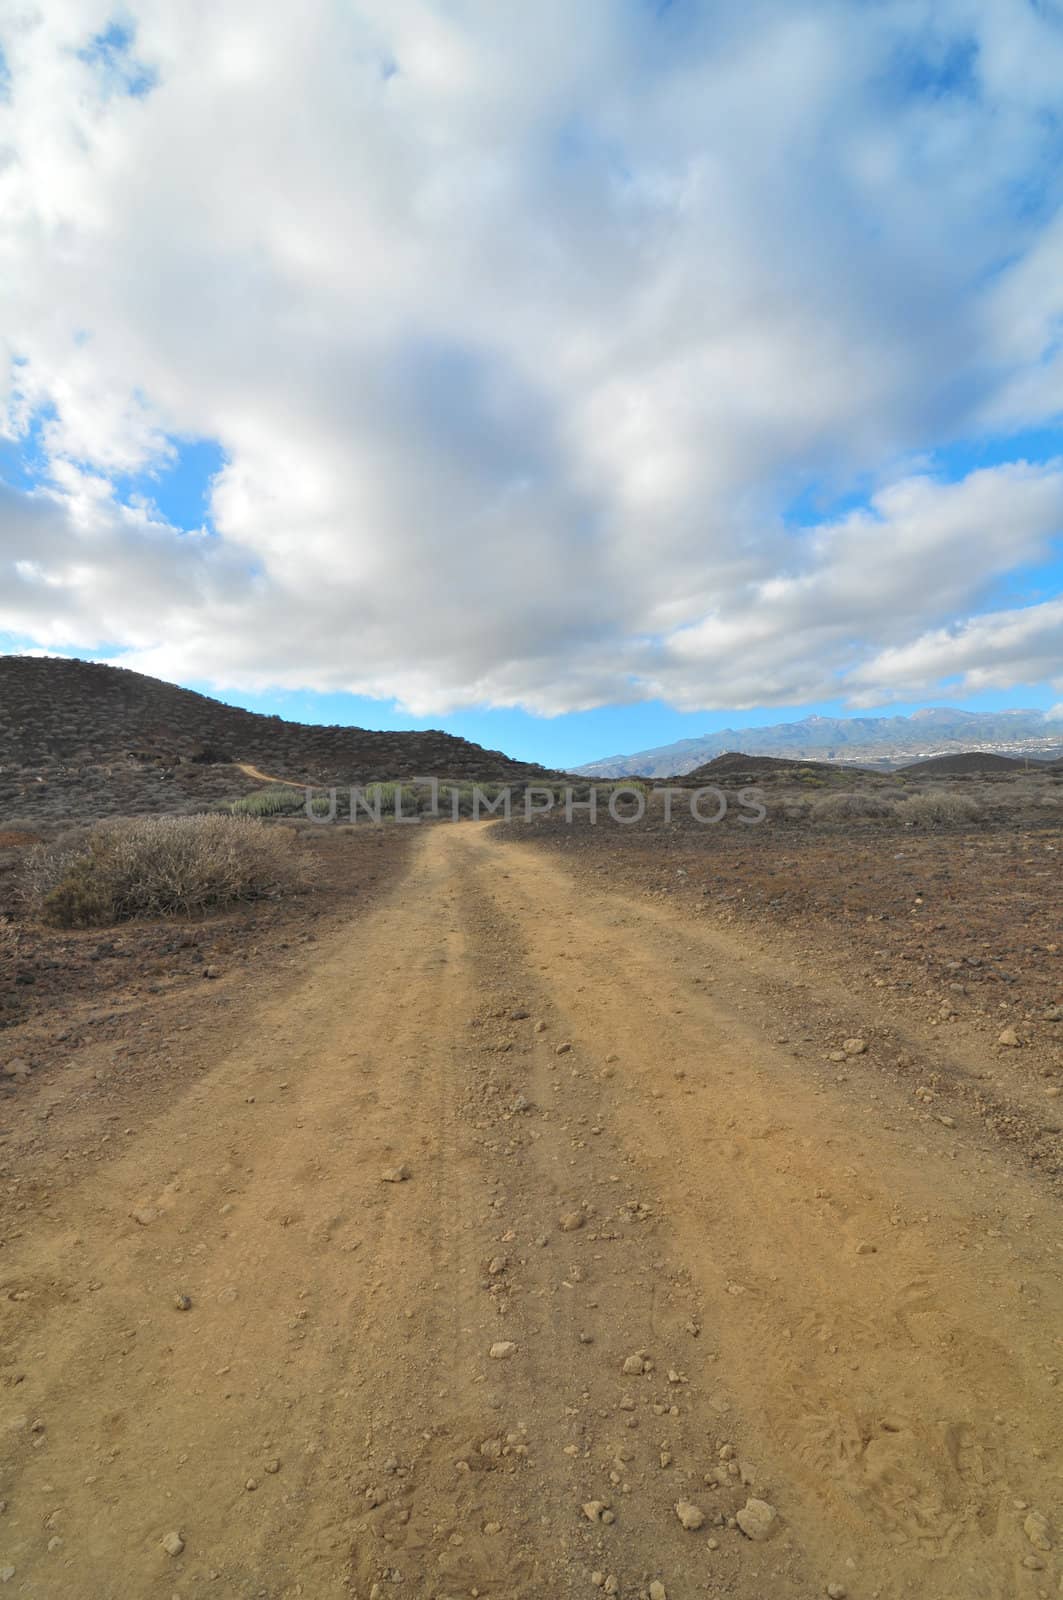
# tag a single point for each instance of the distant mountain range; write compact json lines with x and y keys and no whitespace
{"x":868,"y":741}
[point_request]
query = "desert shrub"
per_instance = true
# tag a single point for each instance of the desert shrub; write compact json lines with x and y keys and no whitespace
{"x":8,"y":937}
{"x":937,"y":808}
{"x":152,"y":866}
{"x":387,"y":793}
{"x":272,"y":802}
{"x":848,"y":806}
{"x":279,"y":802}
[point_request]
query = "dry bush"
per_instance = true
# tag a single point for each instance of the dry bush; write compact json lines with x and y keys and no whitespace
{"x":849,"y":805}
{"x":8,"y":937}
{"x":153,"y":866}
{"x":937,"y":808}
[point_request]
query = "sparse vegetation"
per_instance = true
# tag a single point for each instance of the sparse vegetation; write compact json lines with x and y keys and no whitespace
{"x":937,"y":808}
{"x":850,"y":805}
{"x":277,"y":801}
{"x":272,"y":802}
{"x":154,"y":866}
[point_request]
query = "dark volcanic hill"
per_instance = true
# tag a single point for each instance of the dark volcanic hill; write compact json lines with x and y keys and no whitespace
{"x":970,"y":762}
{"x":79,"y":735}
{"x":735,"y":768}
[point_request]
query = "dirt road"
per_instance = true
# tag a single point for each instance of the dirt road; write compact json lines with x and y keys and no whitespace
{"x":644,"y":1256}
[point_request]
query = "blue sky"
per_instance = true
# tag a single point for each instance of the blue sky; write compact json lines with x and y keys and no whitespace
{"x":575,"y":389}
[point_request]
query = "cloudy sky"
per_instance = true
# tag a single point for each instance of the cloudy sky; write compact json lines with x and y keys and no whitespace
{"x":573,"y":377}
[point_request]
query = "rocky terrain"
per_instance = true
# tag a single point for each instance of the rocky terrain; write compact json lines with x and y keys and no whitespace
{"x":79,"y":739}
{"x":645,"y":1207}
{"x":515,"y":1215}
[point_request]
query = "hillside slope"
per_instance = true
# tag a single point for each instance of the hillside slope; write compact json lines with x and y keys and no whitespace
{"x":80,"y":739}
{"x":61,"y":711}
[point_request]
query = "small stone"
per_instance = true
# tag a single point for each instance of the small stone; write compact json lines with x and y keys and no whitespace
{"x":632,"y":1366}
{"x":855,"y":1047}
{"x":491,"y":1528}
{"x":592,"y":1510}
{"x":836,"y":1591}
{"x":145,"y":1215}
{"x":6,"y":1574}
{"x":865,"y":1249}
{"x":397,"y":1174}
{"x":182,"y":1302}
{"x":540,"y":1026}
{"x":563,"y":1048}
{"x":1035,"y":1528}
{"x":251,"y":1484}
{"x":658,"y":1590}
{"x":173,"y":1544}
{"x":502,"y":1349}
{"x":273,"y":1465}
{"x":571,"y":1221}
{"x":521,"y":1103}
{"x":691,"y":1516}
{"x":757,"y":1519}
{"x":1009,"y":1038}
{"x":212,"y":972}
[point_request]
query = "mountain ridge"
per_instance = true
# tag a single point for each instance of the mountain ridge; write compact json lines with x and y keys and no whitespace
{"x":883,"y":741}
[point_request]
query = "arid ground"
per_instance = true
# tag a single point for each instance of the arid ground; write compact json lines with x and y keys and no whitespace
{"x":443,"y":1244}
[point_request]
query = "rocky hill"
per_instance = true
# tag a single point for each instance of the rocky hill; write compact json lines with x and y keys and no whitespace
{"x":969,"y":763}
{"x":77,"y":734}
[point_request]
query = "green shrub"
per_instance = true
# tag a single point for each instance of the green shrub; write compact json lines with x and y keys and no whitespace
{"x":272,"y":802}
{"x":152,"y":866}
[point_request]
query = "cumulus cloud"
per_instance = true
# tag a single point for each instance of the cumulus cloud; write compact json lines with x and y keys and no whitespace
{"x":520,"y":335}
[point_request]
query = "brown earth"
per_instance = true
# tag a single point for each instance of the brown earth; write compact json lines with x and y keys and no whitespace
{"x":220,"y":1321}
{"x":81,"y":740}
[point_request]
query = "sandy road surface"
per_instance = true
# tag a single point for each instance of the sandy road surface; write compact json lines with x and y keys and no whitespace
{"x":838,"y":1315}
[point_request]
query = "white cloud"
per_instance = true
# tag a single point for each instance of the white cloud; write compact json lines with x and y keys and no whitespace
{"x":518,"y":335}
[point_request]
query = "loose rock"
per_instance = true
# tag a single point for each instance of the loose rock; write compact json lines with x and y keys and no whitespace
{"x":692,"y":1517}
{"x":1036,"y":1530}
{"x":502,"y":1349}
{"x":173,"y":1544}
{"x":757,"y":1519}
{"x":397,"y":1174}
